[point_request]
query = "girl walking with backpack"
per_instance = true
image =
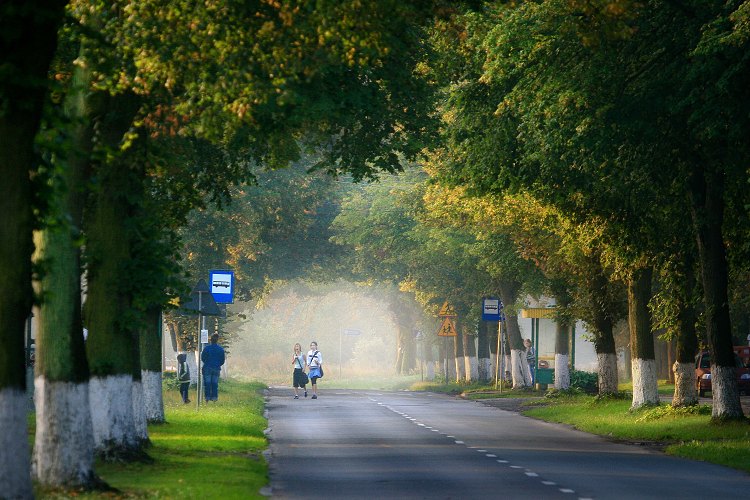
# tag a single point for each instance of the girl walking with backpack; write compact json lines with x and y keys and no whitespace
{"x":315,"y":365}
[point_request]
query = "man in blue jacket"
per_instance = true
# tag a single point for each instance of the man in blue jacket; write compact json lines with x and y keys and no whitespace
{"x":213,"y":359}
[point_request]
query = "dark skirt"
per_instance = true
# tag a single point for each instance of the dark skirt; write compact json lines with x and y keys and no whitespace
{"x":299,"y":378}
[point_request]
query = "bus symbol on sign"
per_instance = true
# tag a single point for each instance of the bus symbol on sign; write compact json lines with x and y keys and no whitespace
{"x":222,"y":286}
{"x":491,"y":309}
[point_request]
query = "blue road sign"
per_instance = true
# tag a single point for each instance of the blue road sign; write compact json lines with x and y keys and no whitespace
{"x":491,"y":309}
{"x":222,"y":286}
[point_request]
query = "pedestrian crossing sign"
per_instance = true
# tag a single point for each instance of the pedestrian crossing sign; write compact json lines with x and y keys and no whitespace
{"x":447,"y":311}
{"x":447,"y":328}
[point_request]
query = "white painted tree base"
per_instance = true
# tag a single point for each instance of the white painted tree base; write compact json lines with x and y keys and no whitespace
{"x":152,"y":396}
{"x":472,"y":369}
{"x":685,"y":393}
{"x":562,"y":372}
{"x":139,"y":413}
{"x":111,"y":402}
{"x":724,"y":392}
{"x":484,"y":370}
{"x":645,"y":387}
{"x":15,"y":470}
{"x":607,"y":372}
{"x":64,"y":441}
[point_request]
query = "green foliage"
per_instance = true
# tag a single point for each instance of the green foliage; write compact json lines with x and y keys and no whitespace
{"x":669,"y":411}
{"x":584,"y":381}
{"x":169,"y":381}
{"x":620,"y":395}
{"x":273,"y":230}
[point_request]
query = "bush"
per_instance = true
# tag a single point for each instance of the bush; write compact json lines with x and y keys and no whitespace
{"x":169,"y":380}
{"x":584,"y":381}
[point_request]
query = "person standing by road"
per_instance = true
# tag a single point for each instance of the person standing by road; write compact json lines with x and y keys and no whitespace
{"x":298,"y":377}
{"x":315,"y":365}
{"x":530,"y":359}
{"x":183,"y":376}
{"x":213,"y":359}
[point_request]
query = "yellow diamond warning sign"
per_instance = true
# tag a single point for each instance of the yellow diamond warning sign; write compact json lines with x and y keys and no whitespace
{"x":447,"y":311}
{"x":447,"y":328}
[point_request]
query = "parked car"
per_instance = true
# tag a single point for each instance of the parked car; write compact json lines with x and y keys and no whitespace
{"x":703,"y":370}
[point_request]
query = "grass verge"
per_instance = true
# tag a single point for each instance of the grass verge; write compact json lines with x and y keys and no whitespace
{"x":214,"y":452}
{"x":682,"y":432}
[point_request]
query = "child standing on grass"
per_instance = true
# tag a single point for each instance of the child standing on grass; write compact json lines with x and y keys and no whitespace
{"x":183,"y":376}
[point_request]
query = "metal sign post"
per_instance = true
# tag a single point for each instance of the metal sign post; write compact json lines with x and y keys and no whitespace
{"x":497,"y":353}
{"x":447,"y":329}
{"x":492,"y":310}
{"x":502,"y":343}
{"x":200,"y":348}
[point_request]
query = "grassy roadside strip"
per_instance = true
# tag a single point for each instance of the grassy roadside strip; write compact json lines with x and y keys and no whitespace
{"x":684,"y":433}
{"x":211,"y":453}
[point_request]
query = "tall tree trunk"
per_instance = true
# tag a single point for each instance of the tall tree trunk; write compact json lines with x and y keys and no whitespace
{"x":685,"y":392}
{"x":645,"y":386}
{"x":63,"y":451}
{"x":29,"y":40}
{"x":64,"y":442}
{"x":151,"y":341}
{"x":401,"y":353}
{"x":518,"y":365}
{"x":458,"y":351}
{"x":707,"y":210}
{"x":495,"y":358}
{"x":562,"y":352}
{"x":428,"y":356}
{"x":602,"y":329}
{"x":484,"y":364}
{"x":16,"y":202}
{"x":449,"y":367}
{"x":110,"y":340}
{"x":140,"y":422}
{"x":470,"y":356}
{"x":563,"y":321}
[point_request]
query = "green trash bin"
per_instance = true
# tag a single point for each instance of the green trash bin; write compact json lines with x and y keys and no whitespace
{"x":545,"y":376}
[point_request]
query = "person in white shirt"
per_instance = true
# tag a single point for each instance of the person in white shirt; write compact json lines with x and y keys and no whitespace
{"x":315,"y":367}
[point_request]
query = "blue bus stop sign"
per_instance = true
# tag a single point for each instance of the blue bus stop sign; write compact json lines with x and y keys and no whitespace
{"x":222,"y":286}
{"x":491,"y":309}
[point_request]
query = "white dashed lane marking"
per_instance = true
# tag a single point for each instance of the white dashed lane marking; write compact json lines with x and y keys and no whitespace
{"x":528,"y":473}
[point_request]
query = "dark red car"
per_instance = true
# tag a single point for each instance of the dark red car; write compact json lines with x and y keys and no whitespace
{"x":703,"y":370}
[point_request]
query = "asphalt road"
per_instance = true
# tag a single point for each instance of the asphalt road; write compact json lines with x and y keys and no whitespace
{"x":375,"y":444}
